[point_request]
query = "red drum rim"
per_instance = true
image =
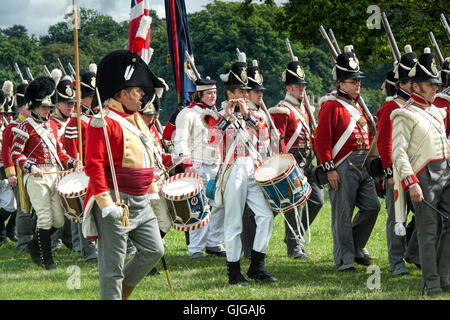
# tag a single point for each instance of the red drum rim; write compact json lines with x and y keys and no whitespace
{"x":297,"y":204}
{"x":186,"y":195}
{"x":193,"y":226}
{"x":278,"y":177}
{"x":71,"y":194}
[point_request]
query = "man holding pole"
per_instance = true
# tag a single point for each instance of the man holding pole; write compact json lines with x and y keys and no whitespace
{"x":120,"y":164}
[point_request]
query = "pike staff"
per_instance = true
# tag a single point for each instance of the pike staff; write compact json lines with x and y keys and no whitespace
{"x":77,"y":79}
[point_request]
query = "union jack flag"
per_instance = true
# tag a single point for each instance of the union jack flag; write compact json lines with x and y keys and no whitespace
{"x":139,"y":30}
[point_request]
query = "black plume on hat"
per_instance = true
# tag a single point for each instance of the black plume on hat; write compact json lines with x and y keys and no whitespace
{"x":122,"y":69}
{"x":236,"y":75}
{"x":425,"y":69}
{"x":406,"y":63}
{"x":347,"y":66}
{"x":255,"y":77}
{"x":20,"y":94}
{"x":294,"y":73}
{"x":39,"y":92}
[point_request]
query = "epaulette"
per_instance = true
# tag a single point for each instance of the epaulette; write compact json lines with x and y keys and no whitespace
{"x":390,"y":98}
{"x":443,"y":96}
{"x":97,"y":120}
{"x":404,"y":112}
{"x":279,"y":110}
{"x":20,"y":132}
{"x":326,"y":98}
{"x":208,"y":113}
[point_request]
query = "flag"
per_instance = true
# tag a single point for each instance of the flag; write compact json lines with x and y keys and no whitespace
{"x":139,"y":30}
{"x":179,"y":42}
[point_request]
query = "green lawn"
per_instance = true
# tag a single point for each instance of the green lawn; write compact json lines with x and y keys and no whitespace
{"x":205,"y":279}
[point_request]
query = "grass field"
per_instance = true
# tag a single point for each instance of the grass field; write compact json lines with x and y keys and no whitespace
{"x":205,"y":279}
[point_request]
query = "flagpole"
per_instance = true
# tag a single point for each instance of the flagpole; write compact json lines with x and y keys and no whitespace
{"x":78,"y":83}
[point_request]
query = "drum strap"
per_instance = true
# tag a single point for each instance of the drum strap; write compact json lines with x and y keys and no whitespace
{"x":302,"y":124}
{"x":43,"y":134}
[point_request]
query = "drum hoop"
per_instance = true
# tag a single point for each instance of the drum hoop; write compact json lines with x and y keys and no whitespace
{"x":193,"y":226}
{"x":297,"y":204}
{"x":72,"y":194}
{"x":291,"y":166}
{"x":183,"y":196}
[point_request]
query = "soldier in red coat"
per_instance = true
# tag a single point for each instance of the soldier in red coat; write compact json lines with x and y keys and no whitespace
{"x":442,"y":99}
{"x":397,"y":246}
{"x":342,"y":141}
{"x":294,"y":124}
{"x":22,"y":218}
{"x":38,"y":153}
{"x":122,"y":77}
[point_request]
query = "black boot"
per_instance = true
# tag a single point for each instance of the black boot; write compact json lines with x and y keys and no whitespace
{"x":257,"y":271}
{"x":3,"y":216}
{"x":11,"y":227}
{"x":46,"y":247}
{"x":34,"y":249}
{"x":234,"y":274}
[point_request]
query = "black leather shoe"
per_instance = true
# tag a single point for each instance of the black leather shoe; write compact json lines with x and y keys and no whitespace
{"x":350,"y":269}
{"x":365,"y":261}
{"x":12,"y":236}
{"x":234,"y":274}
{"x":217,"y":253}
{"x":431,"y":292}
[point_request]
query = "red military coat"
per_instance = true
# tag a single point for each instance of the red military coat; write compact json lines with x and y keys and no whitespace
{"x":442,"y":100}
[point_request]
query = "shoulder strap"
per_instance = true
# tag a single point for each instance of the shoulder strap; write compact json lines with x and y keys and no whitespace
{"x":43,"y":134}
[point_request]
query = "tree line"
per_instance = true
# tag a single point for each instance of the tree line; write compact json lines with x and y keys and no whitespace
{"x":258,"y":29}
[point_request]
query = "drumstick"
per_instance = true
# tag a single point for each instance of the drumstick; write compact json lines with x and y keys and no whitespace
{"x":167,"y":276}
{"x":54,"y":172}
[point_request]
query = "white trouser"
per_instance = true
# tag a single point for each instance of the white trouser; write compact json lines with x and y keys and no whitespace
{"x":7,"y":197}
{"x":212,"y":234}
{"x":45,"y":199}
{"x":241,"y":188}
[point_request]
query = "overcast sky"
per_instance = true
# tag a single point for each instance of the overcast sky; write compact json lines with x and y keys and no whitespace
{"x":38,"y":15}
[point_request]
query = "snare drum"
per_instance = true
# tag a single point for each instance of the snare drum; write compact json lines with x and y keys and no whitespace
{"x":71,"y":187}
{"x":282,"y":182}
{"x":186,"y":201}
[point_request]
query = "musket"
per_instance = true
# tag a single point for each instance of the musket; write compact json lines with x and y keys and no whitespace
{"x":328,"y":42}
{"x":334,"y":41}
{"x":62,"y":67}
{"x":333,"y":52}
{"x":445,"y":24}
{"x":29,"y":73}
{"x":19,"y":73}
{"x":312,"y":120}
{"x":46,"y":71}
{"x":436,"y":48}
{"x":72,"y":70}
{"x":394,"y":49}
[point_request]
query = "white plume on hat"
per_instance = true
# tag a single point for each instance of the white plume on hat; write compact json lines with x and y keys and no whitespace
{"x":93,"y":68}
{"x":56,"y":75}
{"x":8,"y":88}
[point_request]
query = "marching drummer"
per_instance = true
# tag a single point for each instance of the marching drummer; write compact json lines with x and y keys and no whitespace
{"x":200,"y":145}
{"x":237,"y":122}
{"x":70,"y":142}
{"x":342,"y":141}
{"x":294,"y":124}
{"x":39,"y":155}
{"x":119,"y":137}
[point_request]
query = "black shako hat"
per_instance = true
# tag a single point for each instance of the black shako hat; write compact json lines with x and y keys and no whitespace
{"x":293,"y":73}
{"x":389,"y":85}
{"x":150,"y":103}
{"x":255,"y":77}
{"x":39,"y":92}
{"x":235,"y":77}
{"x":87,"y":82}
{"x":205,"y":84}
{"x":20,"y":94}
{"x":406,"y":63}
{"x":444,"y":74}
{"x":347,"y":66}
{"x":2,"y":101}
{"x":64,"y":91}
{"x":122,"y":69}
{"x":425,"y":69}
